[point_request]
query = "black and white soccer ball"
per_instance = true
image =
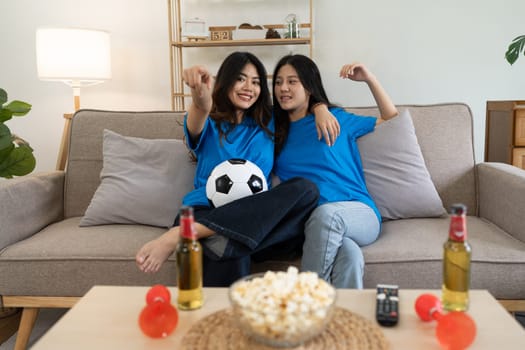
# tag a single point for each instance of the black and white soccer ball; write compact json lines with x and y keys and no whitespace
{"x":234,"y":179}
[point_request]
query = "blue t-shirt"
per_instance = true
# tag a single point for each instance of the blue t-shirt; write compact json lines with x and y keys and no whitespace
{"x":337,"y":170}
{"x":246,"y":141}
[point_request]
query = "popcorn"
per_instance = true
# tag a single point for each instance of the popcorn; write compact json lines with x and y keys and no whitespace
{"x":287,"y":307}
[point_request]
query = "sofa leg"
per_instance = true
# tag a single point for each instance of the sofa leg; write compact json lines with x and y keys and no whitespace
{"x":29,"y":315}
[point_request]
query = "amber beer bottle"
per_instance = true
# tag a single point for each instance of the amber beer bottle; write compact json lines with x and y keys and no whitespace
{"x":189,"y":263}
{"x":456,"y":262}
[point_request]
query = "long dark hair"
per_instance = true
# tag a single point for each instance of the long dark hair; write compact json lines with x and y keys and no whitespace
{"x":223,"y":110}
{"x":310,"y":78}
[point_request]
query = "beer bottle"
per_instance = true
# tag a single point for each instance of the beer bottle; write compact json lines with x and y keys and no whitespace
{"x":189,"y":263}
{"x":456,"y":262}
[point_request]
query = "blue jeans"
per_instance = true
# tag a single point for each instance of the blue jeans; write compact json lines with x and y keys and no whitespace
{"x":260,"y":226}
{"x":334,"y":234}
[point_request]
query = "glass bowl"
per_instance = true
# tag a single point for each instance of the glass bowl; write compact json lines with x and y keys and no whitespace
{"x":282,"y":309}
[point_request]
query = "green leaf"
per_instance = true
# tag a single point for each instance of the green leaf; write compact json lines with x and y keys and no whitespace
{"x":515,"y":48}
{"x":16,"y":156}
{"x":18,"y":108}
{"x":19,"y":162}
{"x":4,"y":152}
{"x":3,"y":97}
{"x":5,"y":115}
{"x":5,"y":136}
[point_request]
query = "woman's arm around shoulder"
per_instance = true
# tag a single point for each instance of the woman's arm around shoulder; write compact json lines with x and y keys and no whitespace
{"x":359,"y":72}
{"x":326,"y":123}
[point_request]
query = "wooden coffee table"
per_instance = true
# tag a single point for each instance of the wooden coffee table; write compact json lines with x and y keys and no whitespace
{"x":107,"y":318}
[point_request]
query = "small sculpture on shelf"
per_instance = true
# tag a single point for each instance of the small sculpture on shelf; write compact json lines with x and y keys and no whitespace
{"x":195,"y":29}
{"x":272,"y":34}
{"x":221,"y":32}
{"x":247,"y":31}
{"x":249,"y":26}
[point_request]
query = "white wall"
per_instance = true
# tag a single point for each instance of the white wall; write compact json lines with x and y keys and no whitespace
{"x":140,"y":63}
{"x":423,"y":52}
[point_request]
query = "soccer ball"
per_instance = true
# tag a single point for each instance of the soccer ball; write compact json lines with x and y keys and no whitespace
{"x":234,"y":179}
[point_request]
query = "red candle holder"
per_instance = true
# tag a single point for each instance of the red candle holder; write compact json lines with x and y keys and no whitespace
{"x":455,"y":330}
{"x":158,"y":318}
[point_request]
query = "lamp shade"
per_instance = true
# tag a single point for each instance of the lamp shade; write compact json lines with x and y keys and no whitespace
{"x":78,"y":57}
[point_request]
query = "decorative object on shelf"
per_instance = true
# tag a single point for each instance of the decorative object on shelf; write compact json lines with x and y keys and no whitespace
{"x":16,"y":156}
{"x":272,"y":34}
{"x":195,"y":29}
{"x":249,"y":26}
{"x":221,"y":32}
{"x":77,"y":57}
{"x":246,"y":31}
{"x":291,"y":26}
{"x":516,"y":47}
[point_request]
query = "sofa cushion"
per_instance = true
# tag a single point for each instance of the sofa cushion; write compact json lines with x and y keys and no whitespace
{"x":67,"y":260}
{"x":497,"y":258}
{"x":444,"y":133}
{"x":84,"y":161}
{"x":395,"y":171}
{"x":142,"y":181}
{"x":29,"y":203}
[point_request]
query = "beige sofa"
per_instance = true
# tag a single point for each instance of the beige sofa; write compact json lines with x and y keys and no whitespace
{"x":47,"y":260}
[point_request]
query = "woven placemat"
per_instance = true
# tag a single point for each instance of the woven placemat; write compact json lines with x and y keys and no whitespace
{"x":345,"y":331}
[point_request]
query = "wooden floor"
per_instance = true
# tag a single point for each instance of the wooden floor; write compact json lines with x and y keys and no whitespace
{"x":46,"y":318}
{"x":520,"y":316}
{"x":9,"y":319}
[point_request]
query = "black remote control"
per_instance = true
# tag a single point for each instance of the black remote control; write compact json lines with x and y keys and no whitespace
{"x":387,"y":304}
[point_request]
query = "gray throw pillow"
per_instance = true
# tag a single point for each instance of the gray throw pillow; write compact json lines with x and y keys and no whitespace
{"x":395,"y":171}
{"x":142,"y":181}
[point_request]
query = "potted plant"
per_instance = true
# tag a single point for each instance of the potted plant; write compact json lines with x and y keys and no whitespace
{"x":16,"y":156}
{"x":516,"y":47}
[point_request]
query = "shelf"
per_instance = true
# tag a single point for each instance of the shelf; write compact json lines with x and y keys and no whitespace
{"x":178,"y":43}
{"x":244,"y":42}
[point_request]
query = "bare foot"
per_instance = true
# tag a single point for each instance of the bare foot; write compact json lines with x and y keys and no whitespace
{"x":153,"y":254}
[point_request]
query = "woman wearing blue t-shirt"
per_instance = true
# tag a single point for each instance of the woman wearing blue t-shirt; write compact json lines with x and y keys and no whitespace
{"x":346,"y":217}
{"x":233,"y":119}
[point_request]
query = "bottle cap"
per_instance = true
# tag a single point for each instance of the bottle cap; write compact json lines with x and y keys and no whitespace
{"x":458,"y":209}
{"x":186,"y":210}
{"x":186,"y":222}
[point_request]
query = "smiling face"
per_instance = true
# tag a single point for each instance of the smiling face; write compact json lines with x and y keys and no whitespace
{"x":246,"y":89}
{"x":290,"y":92}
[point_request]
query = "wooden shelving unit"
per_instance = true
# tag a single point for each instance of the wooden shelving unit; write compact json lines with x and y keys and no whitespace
{"x":505,"y":132}
{"x":177,"y":45}
{"x":253,"y":42}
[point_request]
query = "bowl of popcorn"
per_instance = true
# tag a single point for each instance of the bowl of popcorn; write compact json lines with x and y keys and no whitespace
{"x":282,"y":309}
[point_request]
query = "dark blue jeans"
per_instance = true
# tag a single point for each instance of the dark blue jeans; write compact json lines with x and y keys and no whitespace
{"x":261,"y":226}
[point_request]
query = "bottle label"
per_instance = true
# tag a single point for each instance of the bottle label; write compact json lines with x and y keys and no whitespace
{"x":458,"y":228}
{"x":186,"y":228}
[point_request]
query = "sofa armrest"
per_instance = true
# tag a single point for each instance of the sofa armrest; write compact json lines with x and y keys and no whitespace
{"x":28,"y":204}
{"x":501,"y":189}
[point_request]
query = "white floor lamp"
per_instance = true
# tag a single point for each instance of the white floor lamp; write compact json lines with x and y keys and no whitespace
{"x":77,"y":57}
